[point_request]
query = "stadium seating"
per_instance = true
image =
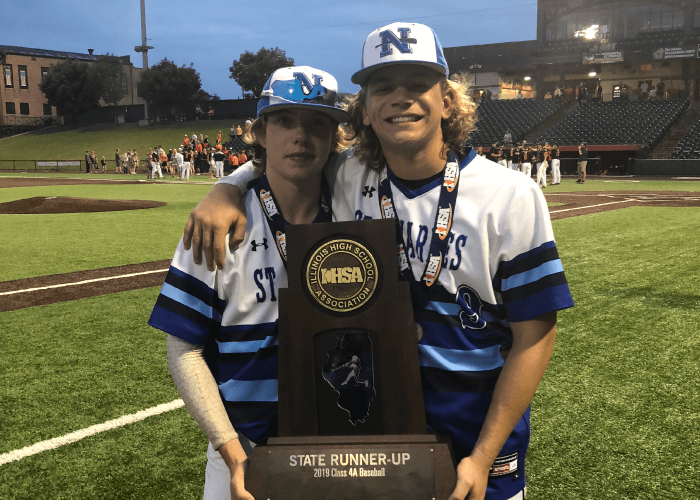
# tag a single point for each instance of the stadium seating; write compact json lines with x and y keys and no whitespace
{"x":517,"y":115}
{"x":666,"y":38}
{"x":562,"y":47}
{"x":620,"y":122}
{"x":236,"y":144}
{"x":689,"y":146}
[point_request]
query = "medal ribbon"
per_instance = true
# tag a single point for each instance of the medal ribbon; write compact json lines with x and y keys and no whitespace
{"x":441,"y":229}
{"x":275,"y":219}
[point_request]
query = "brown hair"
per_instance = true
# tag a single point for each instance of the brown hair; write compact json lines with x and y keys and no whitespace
{"x":260,"y":156}
{"x":455,"y":129}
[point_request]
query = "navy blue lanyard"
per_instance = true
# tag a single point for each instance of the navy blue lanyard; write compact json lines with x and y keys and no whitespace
{"x":275,"y":219}
{"x":439,"y":241}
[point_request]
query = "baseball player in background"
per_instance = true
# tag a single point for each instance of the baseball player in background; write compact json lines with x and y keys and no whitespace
{"x":556,"y":172}
{"x":186,"y":163}
{"x":486,"y":292}
{"x":179,"y":163}
{"x":229,"y":309}
{"x":528,"y":155}
{"x":541,"y":166}
{"x":219,"y":163}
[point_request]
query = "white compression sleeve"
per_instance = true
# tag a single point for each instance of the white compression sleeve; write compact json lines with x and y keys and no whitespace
{"x":196,"y":385}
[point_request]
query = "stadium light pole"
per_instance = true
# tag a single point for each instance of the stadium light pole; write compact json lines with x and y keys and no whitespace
{"x":143,"y":48}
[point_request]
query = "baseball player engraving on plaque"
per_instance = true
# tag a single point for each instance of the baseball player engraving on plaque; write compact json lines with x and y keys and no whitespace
{"x":351,"y":415}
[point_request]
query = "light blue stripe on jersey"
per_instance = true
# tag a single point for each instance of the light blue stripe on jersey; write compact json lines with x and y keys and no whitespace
{"x":454,"y":310}
{"x":246,"y":346}
{"x":476,"y":360}
{"x":546,"y":269}
{"x":190,"y":301}
{"x":249,"y":390}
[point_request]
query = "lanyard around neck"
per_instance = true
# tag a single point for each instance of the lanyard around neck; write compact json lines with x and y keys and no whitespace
{"x":441,"y":230}
{"x":275,"y":219}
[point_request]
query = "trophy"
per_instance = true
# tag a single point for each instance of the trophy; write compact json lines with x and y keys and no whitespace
{"x":351,"y":415}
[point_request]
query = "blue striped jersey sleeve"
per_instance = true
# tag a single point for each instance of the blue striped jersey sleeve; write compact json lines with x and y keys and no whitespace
{"x":187,"y":308}
{"x":533,"y":284}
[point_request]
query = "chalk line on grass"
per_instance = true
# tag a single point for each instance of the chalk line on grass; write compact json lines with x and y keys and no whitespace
{"x":589,"y":206}
{"x":130,"y":275}
{"x":54,"y":443}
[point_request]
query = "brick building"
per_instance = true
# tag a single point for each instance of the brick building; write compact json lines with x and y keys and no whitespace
{"x":21,"y":101}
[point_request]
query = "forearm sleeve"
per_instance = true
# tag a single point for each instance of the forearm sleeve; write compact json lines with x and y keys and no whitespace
{"x":196,"y":385}
{"x":242,"y":176}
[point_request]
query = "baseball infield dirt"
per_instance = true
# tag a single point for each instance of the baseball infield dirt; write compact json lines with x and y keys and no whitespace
{"x":68,"y":205}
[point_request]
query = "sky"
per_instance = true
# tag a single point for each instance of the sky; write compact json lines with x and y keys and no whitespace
{"x":211,"y":35}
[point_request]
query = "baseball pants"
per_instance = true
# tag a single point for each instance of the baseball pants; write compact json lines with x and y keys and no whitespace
{"x":186,"y":170}
{"x":542,"y":174}
{"x":156,"y":168}
{"x":556,"y":173}
{"x":581,"y":169}
{"x":503,"y":163}
{"x":219,"y":169}
{"x":527,"y":169}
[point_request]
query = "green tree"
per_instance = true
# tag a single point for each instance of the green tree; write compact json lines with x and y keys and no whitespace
{"x":110,"y":72}
{"x":165,"y":85}
{"x":251,"y":71}
{"x":72,"y":87}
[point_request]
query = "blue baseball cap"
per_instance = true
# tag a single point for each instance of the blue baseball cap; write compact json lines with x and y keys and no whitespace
{"x":401,"y":43}
{"x":302,"y":87}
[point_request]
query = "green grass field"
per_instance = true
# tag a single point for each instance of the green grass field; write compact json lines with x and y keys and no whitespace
{"x":616,"y":416}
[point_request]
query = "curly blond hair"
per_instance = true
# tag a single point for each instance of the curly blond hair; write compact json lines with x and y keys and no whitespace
{"x":455,"y":129}
{"x":257,"y":128}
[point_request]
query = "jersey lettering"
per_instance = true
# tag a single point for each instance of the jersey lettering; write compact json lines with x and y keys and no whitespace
{"x":360,"y":216}
{"x":459,"y":244}
{"x":421,"y":241}
{"x":270,"y":275}
{"x":258,"y":276}
{"x":410,"y":251}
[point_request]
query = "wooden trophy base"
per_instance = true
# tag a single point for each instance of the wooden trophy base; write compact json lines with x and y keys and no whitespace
{"x":383,"y":467}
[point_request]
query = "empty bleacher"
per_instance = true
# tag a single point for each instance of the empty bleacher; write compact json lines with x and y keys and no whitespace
{"x":689,"y":145}
{"x":664,"y":38}
{"x":610,"y":123}
{"x":519,"y":116}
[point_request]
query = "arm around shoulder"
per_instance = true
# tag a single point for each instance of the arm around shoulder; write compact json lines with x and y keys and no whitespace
{"x":221,"y":211}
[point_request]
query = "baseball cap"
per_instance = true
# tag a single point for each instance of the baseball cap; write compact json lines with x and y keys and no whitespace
{"x":302,"y":87}
{"x":401,"y":43}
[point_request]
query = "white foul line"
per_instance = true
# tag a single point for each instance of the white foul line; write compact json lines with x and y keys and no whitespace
{"x":51,"y":444}
{"x":589,"y":206}
{"x":82,"y":282}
